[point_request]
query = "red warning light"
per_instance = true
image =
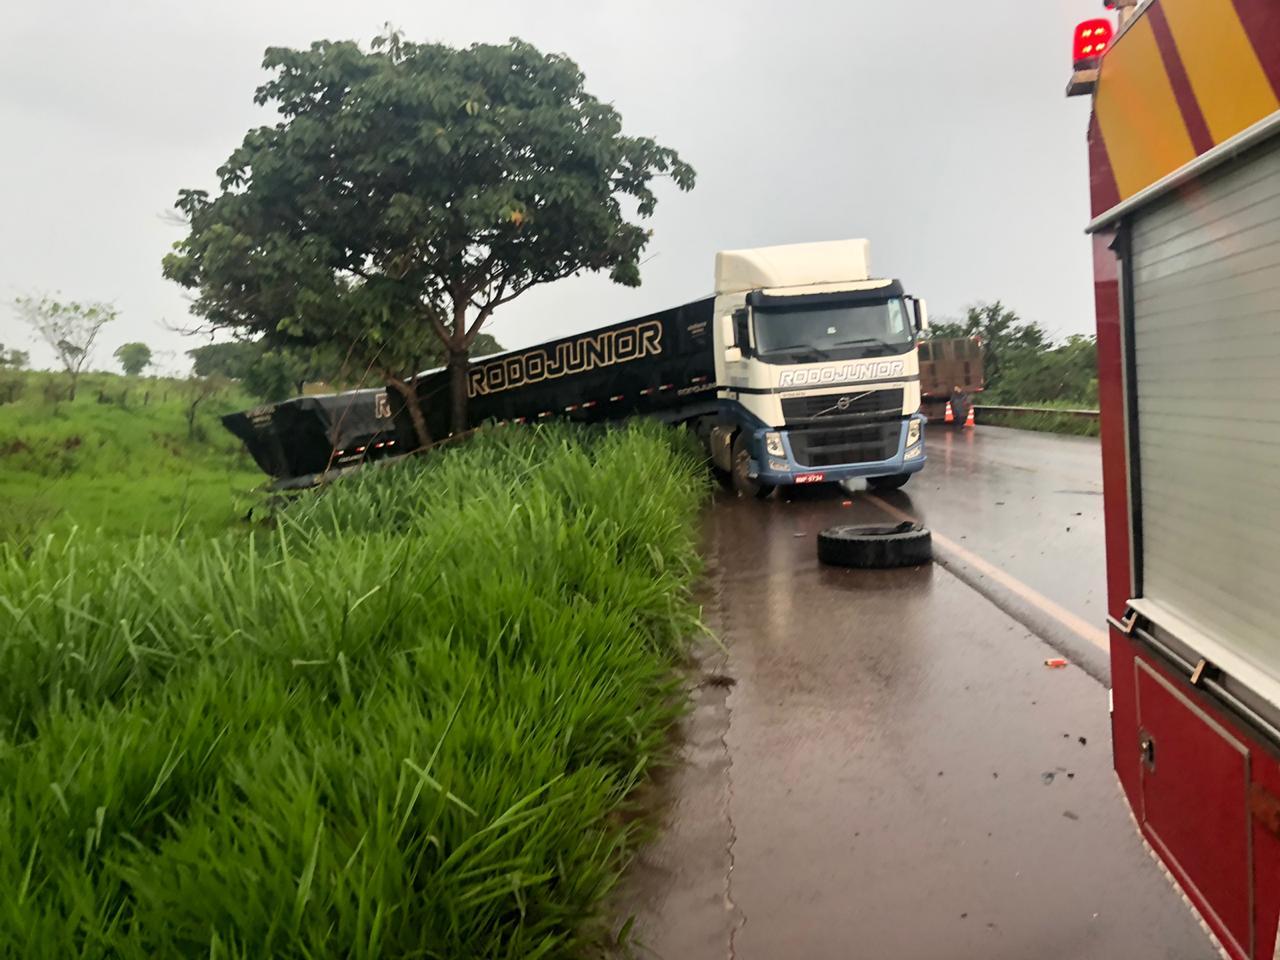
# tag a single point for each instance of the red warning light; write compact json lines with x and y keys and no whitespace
{"x":1090,"y":42}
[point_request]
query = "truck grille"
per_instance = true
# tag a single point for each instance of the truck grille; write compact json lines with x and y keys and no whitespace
{"x":857,"y":405}
{"x":853,"y":444}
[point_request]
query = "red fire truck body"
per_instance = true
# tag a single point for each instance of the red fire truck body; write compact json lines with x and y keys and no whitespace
{"x":1184,"y":151}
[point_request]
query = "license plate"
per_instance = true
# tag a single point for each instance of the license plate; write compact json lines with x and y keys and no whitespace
{"x":810,"y":477}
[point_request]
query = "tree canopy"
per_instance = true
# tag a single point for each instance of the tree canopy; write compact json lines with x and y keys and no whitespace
{"x":406,"y":193}
{"x":134,"y":357}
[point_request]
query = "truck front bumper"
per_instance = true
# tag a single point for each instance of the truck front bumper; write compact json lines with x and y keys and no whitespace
{"x":806,"y":452}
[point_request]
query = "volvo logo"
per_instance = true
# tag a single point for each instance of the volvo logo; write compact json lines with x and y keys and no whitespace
{"x":843,"y":403}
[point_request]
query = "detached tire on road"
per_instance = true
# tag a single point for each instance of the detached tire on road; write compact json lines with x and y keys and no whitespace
{"x":875,"y":547}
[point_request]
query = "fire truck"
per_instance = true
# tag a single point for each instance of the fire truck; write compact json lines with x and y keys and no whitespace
{"x":1184,"y":156}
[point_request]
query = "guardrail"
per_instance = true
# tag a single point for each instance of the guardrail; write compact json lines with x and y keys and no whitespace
{"x":978,"y":408}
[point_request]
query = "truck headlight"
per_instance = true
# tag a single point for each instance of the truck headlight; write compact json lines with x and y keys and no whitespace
{"x":773,"y":445}
{"x":913,"y":433}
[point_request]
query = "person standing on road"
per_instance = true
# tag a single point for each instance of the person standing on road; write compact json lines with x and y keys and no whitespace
{"x":960,"y":404}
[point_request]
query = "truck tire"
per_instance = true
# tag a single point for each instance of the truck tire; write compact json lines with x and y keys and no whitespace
{"x":742,"y":482}
{"x":876,"y":547}
{"x":892,"y":482}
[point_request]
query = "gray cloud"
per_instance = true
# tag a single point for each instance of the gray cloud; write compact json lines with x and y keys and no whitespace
{"x":934,"y":128}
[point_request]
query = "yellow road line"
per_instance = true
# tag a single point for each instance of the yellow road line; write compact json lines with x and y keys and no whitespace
{"x":1077,"y":625}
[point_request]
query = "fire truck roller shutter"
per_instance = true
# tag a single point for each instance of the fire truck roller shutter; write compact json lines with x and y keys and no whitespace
{"x":1205,"y":274}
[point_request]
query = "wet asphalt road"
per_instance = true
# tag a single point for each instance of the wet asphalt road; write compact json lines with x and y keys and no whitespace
{"x":893,"y":772}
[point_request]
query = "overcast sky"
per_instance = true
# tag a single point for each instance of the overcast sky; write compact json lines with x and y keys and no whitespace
{"x":935,"y":128}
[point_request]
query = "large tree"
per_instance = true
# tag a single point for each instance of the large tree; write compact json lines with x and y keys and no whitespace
{"x":406,"y":193}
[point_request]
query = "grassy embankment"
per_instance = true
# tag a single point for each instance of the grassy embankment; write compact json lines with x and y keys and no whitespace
{"x":1046,"y":420}
{"x":404,"y":721}
{"x":120,"y":459}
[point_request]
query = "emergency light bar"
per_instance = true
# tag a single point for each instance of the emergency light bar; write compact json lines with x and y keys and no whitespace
{"x":1089,"y":42}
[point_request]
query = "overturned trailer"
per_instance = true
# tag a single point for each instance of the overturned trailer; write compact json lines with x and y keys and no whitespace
{"x":298,"y":441}
{"x":659,"y":365}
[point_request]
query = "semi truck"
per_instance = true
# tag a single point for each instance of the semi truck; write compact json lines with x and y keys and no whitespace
{"x":1184,"y":158}
{"x":800,"y":368}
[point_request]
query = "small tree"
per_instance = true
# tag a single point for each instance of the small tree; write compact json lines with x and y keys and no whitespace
{"x":13,"y":359}
{"x":133,"y":357}
{"x":69,"y":328}
{"x":409,"y":191}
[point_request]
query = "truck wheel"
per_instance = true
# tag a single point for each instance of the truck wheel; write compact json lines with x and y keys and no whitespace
{"x":723,"y":477}
{"x":891,"y":482}
{"x":875,"y":547}
{"x":742,"y":482}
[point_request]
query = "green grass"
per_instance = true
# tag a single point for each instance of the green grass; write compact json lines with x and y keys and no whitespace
{"x":404,"y":721}
{"x":120,"y":459}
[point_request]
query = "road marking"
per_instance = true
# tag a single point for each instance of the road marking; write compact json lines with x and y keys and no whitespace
{"x":1077,"y":625}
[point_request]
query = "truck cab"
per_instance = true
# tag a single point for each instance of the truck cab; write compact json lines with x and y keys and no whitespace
{"x":817,"y":369}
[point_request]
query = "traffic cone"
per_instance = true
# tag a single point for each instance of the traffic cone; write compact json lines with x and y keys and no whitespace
{"x":969,"y":421}
{"x":949,"y":417}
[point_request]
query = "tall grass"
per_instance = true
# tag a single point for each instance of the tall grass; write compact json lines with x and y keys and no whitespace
{"x":404,"y":722}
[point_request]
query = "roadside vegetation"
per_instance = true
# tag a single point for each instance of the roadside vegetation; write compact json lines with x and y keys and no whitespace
{"x":405,"y":720}
{"x":1026,"y":367}
{"x":1047,"y":419}
{"x":127,"y":455}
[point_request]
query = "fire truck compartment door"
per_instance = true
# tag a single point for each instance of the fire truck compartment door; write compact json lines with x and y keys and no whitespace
{"x":1205,"y":275}
{"x":1189,"y":762}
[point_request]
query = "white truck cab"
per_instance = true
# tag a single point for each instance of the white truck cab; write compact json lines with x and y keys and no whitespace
{"x":816,"y":366}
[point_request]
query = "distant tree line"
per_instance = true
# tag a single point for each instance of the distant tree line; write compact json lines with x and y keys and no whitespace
{"x":1022,"y":363}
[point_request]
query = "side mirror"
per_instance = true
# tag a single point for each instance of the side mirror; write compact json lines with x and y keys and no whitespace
{"x":733,"y":354}
{"x":922,"y":315}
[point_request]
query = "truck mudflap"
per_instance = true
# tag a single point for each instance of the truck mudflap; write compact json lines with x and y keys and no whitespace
{"x":829,"y":454}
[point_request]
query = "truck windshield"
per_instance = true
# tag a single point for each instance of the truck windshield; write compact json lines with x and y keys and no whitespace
{"x":861,"y":329}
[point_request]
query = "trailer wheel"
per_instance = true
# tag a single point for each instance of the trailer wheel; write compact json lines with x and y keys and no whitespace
{"x":742,"y":481}
{"x":891,"y":482}
{"x":875,"y":547}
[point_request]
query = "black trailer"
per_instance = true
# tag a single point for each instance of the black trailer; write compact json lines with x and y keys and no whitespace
{"x":660,"y":365}
{"x":300,"y":438}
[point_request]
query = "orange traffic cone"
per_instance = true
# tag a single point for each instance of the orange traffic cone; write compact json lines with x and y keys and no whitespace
{"x":949,"y":417}
{"x":969,"y":420}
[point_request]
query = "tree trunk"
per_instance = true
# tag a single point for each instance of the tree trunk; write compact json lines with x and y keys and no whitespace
{"x":413,"y":406}
{"x":458,"y":366}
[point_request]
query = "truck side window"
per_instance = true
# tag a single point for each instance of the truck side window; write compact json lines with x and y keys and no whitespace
{"x":926,"y":351}
{"x":740,"y":328}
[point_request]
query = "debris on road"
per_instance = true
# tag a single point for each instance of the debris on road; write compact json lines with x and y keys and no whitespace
{"x":876,"y":546}
{"x":1047,"y":777}
{"x":1070,"y":815}
{"x":1055,"y":663}
{"x":717,"y":680}
{"x":1084,"y":741}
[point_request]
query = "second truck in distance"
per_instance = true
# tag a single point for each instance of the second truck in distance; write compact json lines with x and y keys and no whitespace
{"x":802,"y":368}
